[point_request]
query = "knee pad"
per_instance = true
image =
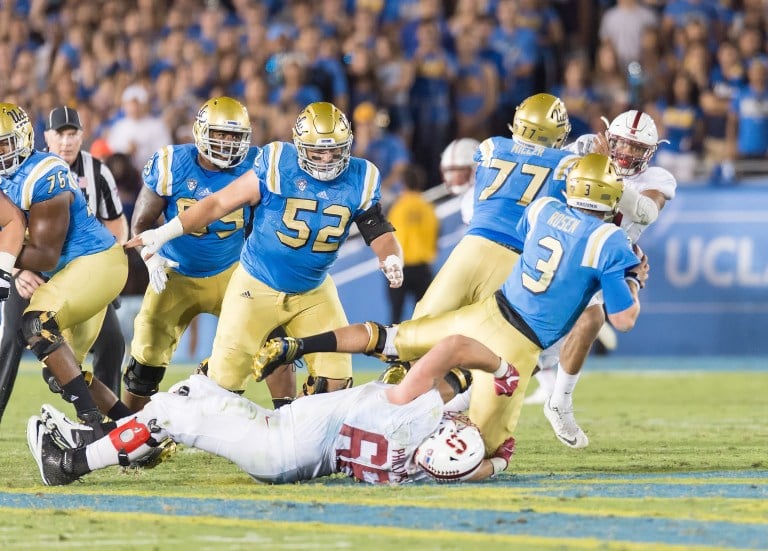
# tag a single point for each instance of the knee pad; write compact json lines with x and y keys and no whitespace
{"x":459,"y":379}
{"x":319,"y":385}
{"x":141,"y":379}
{"x":40,"y":333}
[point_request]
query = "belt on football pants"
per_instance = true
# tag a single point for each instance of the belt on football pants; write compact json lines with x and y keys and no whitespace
{"x":515,"y":320}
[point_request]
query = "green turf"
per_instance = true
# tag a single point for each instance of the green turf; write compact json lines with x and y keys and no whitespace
{"x":638,"y":422}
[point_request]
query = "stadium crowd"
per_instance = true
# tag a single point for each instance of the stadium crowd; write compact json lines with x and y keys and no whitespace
{"x":433,"y":70}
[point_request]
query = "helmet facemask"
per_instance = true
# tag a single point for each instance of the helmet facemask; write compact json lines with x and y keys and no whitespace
{"x":323,"y":139}
{"x":228,"y":119}
{"x":630,"y":157}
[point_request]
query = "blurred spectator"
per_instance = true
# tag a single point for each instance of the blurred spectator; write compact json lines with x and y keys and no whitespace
{"x":395,"y":77}
{"x":417,"y":227}
{"x":610,"y":82}
{"x":579,"y":97}
{"x":138,"y":134}
{"x":623,"y":26}
{"x":475,"y":88}
{"x":384,"y":149}
{"x":747,"y":132}
{"x":679,"y":120}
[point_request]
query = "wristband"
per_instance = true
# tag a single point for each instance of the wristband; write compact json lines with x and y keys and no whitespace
{"x":170,"y":230}
{"x":499,"y":465}
{"x":7,"y":261}
{"x":632,"y":278}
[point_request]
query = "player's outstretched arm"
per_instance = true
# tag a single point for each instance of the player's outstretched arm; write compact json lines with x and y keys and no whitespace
{"x":244,"y":190}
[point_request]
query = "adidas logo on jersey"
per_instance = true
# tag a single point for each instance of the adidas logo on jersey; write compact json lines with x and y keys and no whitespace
{"x":322,"y":195}
{"x":246,"y":294}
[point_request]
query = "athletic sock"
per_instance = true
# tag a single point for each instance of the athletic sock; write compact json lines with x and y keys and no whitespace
{"x":78,"y":389}
{"x":324,"y":342}
{"x":118,"y":411}
{"x":562,"y":394}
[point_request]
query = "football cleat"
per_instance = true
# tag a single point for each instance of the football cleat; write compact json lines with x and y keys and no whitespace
{"x":564,"y":424}
{"x":67,"y":434}
{"x":55,"y":464}
{"x":159,"y":454}
{"x":395,"y":373}
{"x":273,"y":354}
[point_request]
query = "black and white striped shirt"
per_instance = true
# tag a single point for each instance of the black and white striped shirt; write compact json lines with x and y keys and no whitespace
{"x":100,"y":189}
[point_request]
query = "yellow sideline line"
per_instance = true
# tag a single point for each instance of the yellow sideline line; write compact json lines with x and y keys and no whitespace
{"x":751,"y":511}
{"x":386,"y":531}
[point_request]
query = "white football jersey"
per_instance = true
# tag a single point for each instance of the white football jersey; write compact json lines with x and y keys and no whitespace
{"x":652,"y":178}
{"x":356,"y":431}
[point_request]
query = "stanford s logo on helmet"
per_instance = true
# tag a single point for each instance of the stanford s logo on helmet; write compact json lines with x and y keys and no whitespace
{"x":453,"y":452}
{"x":632,"y":141}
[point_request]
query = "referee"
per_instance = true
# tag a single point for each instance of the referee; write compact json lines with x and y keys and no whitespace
{"x":64,"y":137}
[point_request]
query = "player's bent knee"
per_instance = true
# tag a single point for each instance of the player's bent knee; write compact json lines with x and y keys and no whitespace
{"x":321,"y":385}
{"x":141,"y":379}
{"x":40,"y":333}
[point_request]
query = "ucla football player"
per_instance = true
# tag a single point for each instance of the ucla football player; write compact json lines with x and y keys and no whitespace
{"x":85,"y":266}
{"x":13,"y":224}
{"x":570,"y":251}
{"x":306,"y":195}
{"x":188,"y":275}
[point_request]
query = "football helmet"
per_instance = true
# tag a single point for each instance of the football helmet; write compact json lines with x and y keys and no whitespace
{"x":541,"y":119}
{"x":222,"y":114}
{"x":17,"y":138}
{"x":632,"y":141}
{"x":594,"y":184}
{"x":453,"y":452}
{"x":323,"y":139}
{"x":458,"y":166}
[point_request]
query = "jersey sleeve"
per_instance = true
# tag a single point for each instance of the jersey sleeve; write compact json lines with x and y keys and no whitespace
{"x":49,"y":178}
{"x":616,"y":257}
{"x":157,"y":173}
{"x":265,"y":166}
{"x":371,"y":193}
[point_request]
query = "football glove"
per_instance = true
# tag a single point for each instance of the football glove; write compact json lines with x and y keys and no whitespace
{"x":501,"y":457}
{"x":156,"y":266}
{"x":507,"y":383}
{"x":392,"y":266}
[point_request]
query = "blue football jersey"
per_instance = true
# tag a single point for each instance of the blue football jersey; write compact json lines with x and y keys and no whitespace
{"x":567,"y":254}
{"x":43,"y":176}
{"x":175,"y":174}
{"x":301,"y":222}
{"x":509,"y":176}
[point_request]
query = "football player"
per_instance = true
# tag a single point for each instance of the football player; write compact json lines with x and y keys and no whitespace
{"x":632,"y":140}
{"x":511,"y":172}
{"x":188,"y":275}
{"x":85,"y":266}
{"x":376,"y":432}
{"x":570,"y":251}
{"x":457,"y":165}
{"x":306,"y":195}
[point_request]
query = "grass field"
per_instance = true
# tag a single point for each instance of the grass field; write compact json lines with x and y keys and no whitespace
{"x":678,"y":459}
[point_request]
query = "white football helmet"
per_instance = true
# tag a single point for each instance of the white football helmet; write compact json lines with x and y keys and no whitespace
{"x":458,"y":166}
{"x":632,"y":141}
{"x":453,"y":452}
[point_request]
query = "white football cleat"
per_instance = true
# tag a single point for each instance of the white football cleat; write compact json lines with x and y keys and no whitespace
{"x":564,"y":424}
{"x":67,"y":434}
{"x":546,"y":380}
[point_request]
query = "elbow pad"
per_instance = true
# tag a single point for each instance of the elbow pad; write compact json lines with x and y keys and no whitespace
{"x":638,"y":207}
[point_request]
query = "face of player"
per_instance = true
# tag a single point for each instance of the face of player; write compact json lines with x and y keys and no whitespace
{"x":457,"y":178}
{"x":224,"y":144}
{"x":65,"y":142}
{"x":325,"y":156}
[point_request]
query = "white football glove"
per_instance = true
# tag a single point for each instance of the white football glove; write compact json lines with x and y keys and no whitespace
{"x":153,"y":240}
{"x":156,"y":266}
{"x":392,"y":266}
